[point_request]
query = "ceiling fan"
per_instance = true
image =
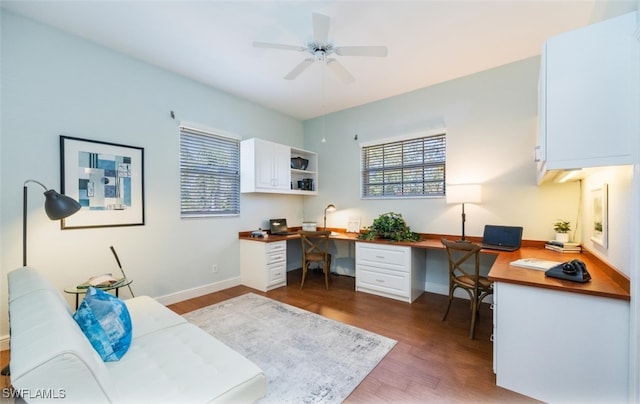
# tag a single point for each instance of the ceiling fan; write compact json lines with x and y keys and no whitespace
{"x":320,"y":48}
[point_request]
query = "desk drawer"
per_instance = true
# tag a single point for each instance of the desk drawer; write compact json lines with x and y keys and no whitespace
{"x":277,"y":273}
{"x":388,"y":282}
{"x":396,"y":258}
{"x":278,"y":246}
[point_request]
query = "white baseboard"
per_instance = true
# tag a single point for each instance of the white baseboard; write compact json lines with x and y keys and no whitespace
{"x":197,"y":291}
{"x":4,"y":342}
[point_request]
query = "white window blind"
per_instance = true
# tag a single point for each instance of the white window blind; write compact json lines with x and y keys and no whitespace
{"x":405,"y":168}
{"x":209,"y":174}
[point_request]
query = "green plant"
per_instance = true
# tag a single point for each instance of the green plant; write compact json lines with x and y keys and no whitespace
{"x":562,"y":226}
{"x":390,"y":226}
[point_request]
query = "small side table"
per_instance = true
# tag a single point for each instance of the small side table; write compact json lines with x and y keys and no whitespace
{"x":81,"y":291}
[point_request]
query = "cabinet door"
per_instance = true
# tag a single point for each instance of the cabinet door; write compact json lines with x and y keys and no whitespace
{"x":272,"y":165}
{"x":561,"y":347}
{"x":589,"y":91}
{"x":281,"y":167}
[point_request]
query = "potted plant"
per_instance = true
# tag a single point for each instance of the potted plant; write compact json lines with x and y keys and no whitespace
{"x":562,"y":229}
{"x":390,"y":226}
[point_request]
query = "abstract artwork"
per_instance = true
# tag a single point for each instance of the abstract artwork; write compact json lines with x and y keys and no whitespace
{"x":106,"y":179}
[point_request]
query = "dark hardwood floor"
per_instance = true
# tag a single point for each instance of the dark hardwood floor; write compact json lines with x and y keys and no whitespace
{"x":434,"y":360}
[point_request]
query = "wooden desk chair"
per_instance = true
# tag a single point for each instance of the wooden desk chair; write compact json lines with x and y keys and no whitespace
{"x":478,"y":287}
{"x":315,"y":248}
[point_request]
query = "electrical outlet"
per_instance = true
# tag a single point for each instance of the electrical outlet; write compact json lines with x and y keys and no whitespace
{"x":214,"y":268}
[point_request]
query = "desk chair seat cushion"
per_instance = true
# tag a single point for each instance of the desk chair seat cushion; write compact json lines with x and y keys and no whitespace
{"x":484,"y":284}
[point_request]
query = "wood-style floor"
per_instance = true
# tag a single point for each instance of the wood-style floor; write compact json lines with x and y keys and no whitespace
{"x":434,"y":360}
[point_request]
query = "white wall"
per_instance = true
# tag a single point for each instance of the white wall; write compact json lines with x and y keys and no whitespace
{"x":56,"y":84}
{"x":490,"y":119}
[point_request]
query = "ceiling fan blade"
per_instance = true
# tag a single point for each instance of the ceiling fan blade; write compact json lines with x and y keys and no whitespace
{"x":299,"y":69}
{"x":378,"y":51}
{"x":278,"y":46}
{"x":338,"y":69}
{"x":320,"y":28}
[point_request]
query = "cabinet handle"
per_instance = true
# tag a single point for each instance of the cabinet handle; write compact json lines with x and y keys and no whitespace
{"x":493,"y":306}
{"x":380,"y":257}
{"x":379,"y":281}
{"x":536,"y":154}
{"x":492,"y":338}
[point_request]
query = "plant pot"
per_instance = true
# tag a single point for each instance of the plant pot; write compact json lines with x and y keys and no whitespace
{"x":562,"y":237}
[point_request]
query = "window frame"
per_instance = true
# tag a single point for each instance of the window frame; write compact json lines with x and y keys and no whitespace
{"x":218,"y":141}
{"x":434,"y":164}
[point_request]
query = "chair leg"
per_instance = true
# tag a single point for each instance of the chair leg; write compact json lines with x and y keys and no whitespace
{"x":448,"y":305}
{"x":304,"y":273}
{"x":327,"y":270}
{"x":474,"y":312}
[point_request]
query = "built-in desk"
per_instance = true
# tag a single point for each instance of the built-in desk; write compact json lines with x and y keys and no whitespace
{"x":605,"y":280}
{"x":553,"y":340}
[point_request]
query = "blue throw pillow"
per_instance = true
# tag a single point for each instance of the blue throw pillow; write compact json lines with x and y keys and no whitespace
{"x":105,"y":320}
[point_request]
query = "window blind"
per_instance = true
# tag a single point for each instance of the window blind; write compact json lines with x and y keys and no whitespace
{"x":209,"y":174}
{"x":406,"y":168}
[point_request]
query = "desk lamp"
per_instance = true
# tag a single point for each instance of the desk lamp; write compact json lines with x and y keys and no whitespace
{"x":56,"y":206}
{"x":464,"y":193}
{"x":330,"y":208}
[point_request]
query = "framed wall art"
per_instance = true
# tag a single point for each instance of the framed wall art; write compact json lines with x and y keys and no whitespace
{"x":599,"y":221}
{"x":106,"y":178}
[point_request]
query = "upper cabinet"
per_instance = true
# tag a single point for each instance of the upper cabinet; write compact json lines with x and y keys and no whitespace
{"x":589,"y":96}
{"x":267,"y":167}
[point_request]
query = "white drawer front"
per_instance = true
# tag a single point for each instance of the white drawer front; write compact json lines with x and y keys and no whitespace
{"x":390,"y":257}
{"x":276,"y":257}
{"x":392,"y":282}
{"x":276,"y":273}
{"x":278,"y":246}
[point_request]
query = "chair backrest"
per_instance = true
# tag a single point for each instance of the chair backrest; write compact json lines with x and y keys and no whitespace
{"x":315,"y":242}
{"x":458,"y":254}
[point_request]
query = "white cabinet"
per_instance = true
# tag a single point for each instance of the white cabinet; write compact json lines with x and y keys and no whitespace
{"x":263,"y":266}
{"x":561,"y":347}
{"x":396,"y":272}
{"x":588,"y":96}
{"x":266,"y":167}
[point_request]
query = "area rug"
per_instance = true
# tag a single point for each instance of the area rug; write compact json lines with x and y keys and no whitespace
{"x":306,"y":358}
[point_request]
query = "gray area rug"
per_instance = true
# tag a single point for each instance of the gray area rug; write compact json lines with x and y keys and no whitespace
{"x":306,"y":358}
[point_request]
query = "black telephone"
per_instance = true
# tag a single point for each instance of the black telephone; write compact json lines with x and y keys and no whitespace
{"x":574,"y":270}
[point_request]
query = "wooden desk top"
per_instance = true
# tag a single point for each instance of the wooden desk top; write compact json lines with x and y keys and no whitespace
{"x":606,"y":281}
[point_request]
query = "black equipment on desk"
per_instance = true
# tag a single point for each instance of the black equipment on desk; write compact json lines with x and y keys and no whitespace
{"x":278,"y":227}
{"x":574,"y":270}
{"x":503,"y":238}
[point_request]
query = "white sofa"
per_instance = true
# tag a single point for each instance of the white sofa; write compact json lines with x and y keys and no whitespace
{"x":169,"y":360}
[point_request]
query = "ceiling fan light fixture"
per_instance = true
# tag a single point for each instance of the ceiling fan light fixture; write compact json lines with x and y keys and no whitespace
{"x":320,"y":47}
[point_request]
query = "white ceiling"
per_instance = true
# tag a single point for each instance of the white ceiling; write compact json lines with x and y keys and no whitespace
{"x":428,"y":41}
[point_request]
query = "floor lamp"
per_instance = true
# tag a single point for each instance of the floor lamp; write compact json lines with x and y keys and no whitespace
{"x":464,"y":193}
{"x":330,"y":208}
{"x":56,"y":206}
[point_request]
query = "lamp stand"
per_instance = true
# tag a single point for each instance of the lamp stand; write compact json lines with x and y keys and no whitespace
{"x":464,"y":219}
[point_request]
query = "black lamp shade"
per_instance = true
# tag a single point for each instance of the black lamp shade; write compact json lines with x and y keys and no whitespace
{"x":59,"y":206}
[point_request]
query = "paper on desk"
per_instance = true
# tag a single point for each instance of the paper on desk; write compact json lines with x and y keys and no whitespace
{"x":534,"y":263}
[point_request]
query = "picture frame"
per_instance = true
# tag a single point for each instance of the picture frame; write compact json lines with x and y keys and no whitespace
{"x":107,"y":179}
{"x":599,"y":220}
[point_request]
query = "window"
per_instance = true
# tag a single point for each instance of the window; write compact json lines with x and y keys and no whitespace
{"x":406,"y":168}
{"x":209,"y":174}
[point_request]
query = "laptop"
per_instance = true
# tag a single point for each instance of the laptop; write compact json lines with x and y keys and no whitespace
{"x":278,"y":227}
{"x":503,"y":238}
